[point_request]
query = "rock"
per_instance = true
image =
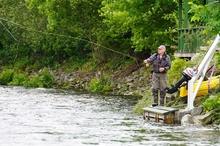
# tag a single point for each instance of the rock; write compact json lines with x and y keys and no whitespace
{"x":128,"y":93}
{"x":180,"y":114}
{"x":129,"y":79}
{"x":203,"y":119}
{"x":130,"y":84}
{"x":196,"y":111}
{"x":187,"y":120}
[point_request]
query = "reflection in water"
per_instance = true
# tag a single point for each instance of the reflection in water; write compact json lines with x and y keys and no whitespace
{"x":40,"y":117}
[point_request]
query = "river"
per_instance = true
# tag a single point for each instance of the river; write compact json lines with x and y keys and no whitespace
{"x":47,"y":117}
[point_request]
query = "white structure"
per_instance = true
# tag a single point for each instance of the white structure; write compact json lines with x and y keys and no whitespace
{"x":202,"y":69}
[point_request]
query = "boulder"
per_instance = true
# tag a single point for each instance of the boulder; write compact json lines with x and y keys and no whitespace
{"x":197,"y":111}
{"x":180,"y":114}
{"x":187,"y":120}
{"x":203,"y":119}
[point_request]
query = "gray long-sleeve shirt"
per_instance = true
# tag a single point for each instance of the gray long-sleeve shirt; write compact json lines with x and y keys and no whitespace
{"x":158,"y":62}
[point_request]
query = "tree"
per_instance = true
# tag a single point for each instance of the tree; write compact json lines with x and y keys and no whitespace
{"x":209,"y":14}
{"x":146,"y":23}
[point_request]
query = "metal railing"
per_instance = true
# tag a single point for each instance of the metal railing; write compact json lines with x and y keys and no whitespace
{"x":190,"y":39}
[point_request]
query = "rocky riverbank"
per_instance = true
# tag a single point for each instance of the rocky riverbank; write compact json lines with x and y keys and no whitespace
{"x":135,"y":83}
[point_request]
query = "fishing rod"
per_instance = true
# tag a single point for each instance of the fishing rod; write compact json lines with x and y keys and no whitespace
{"x":62,"y":35}
{"x":8,"y":31}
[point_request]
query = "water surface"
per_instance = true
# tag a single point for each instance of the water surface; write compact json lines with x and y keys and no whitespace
{"x":42,"y":117}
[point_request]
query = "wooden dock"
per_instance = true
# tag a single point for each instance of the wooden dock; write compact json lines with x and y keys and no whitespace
{"x":160,"y":113}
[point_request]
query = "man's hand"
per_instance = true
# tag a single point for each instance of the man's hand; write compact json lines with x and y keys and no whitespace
{"x":146,"y":62}
{"x":161,"y":69}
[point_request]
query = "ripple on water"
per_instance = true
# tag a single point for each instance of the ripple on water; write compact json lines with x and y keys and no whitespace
{"x":42,"y":117}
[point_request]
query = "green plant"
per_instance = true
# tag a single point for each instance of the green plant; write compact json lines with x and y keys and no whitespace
{"x":19,"y":79}
{"x":74,"y":63}
{"x":90,"y":65}
{"x":177,"y":66}
{"x":43,"y":79}
{"x":6,"y":76}
{"x":101,"y":85}
{"x":33,"y":82}
{"x":212,"y":102}
{"x":22,"y":63}
{"x":46,"y":78}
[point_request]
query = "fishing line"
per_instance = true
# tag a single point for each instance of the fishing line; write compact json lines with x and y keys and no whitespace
{"x":8,"y":31}
{"x":62,"y":35}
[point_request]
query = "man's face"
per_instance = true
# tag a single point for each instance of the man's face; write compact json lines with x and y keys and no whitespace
{"x":161,"y":50}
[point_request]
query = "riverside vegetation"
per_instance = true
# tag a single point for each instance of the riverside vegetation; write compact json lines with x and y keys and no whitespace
{"x":96,"y":45}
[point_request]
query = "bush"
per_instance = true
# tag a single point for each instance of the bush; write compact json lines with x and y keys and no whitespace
{"x":46,"y":78}
{"x":43,"y":79}
{"x":21,"y":63}
{"x":213,"y":102}
{"x":212,"y":105}
{"x":6,"y":76}
{"x":101,"y":85}
{"x":34,"y":82}
{"x":88,"y":66}
{"x":178,"y":65}
{"x":74,"y":63}
{"x":19,"y":79}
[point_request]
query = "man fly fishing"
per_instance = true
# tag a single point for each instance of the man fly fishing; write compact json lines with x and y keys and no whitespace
{"x":160,"y":62}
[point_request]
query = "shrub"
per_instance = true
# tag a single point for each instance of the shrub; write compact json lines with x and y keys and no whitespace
{"x":22,"y":63}
{"x":178,"y":65}
{"x":74,"y":63}
{"x":101,"y":85}
{"x":212,"y":105}
{"x":6,"y":76}
{"x":34,"y":82}
{"x":43,"y":79}
{"x":212,"y":102}
{"x":88,"y":66}
{"x":19,"y":79}
{"x":46,"y":78}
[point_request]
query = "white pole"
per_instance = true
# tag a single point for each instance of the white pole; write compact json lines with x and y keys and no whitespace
{"x":202,"y":69}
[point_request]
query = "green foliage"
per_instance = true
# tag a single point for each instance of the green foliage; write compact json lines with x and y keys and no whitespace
{"x":209,"y":14}
{"x":21,"y":63}
{"x":90,"y":65}
{"x":143,"y":22}
{"x":19,"y":79}
{"x":101,"y":85}
{"x":117,"y":63}
{"x":213,"y":102}
{"x":178,"y":65}
{"x":217,"y":60}
{"x":46,"y":78}
{"x":6,"y":76}
{"x":16,"y":78}
{"x":73,"y":64}
{"x":145,"y":101}
{"x":212,"y":105}
{"x":34,"y":82}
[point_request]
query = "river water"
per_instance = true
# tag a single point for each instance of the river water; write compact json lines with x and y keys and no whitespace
{"x":42,"y":117}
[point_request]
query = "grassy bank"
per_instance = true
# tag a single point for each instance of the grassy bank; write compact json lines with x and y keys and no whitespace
{"x":13,"y":77}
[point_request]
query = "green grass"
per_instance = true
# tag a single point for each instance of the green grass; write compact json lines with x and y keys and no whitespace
{"x":100,"y":85}
{"x":43,"y":79}
{"x":19,"y":79}
{"x":6,"y":76}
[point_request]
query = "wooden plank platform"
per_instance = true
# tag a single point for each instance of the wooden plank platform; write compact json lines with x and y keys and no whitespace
{"x":160,"y":113}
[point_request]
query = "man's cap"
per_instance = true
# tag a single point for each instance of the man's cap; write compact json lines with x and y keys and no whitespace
{"x":162,"y":47}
